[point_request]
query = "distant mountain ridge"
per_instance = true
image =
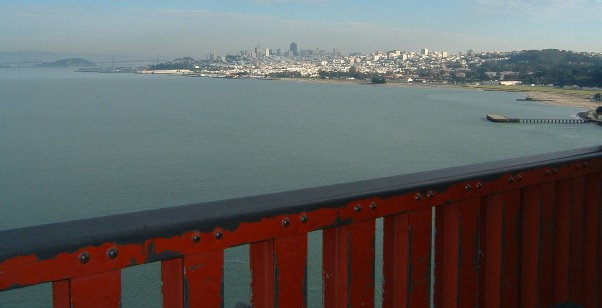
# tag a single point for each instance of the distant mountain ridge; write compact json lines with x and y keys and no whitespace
{"x":70,"y":62}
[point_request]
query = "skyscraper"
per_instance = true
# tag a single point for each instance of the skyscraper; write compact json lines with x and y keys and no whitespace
{"x":293,"y":49}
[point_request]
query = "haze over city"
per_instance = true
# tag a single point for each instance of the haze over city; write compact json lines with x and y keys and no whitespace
{"x":197,"y":28}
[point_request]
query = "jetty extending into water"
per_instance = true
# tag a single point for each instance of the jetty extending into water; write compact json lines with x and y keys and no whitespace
{"x":504,"y":119}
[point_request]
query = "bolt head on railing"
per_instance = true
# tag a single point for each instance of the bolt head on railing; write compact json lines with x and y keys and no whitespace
{"x":357,"y":208}
{"x":218,"y":235}
{"x":430,"y":194}
{"x":519,"y":177}
{"x":547,"y":172}
{"x":555,"y":171}
{"x":286,"y":222}
{"x":372,"y":205}
{"x":418,"y":196}
{"x":196,"y":238}
{"x":510,"y":179}
{"x":303,"y":218}
{"x":112,"y":253}
{"x":468,"y":187}
{"x":84,"y":257}
{"x":479,"y":185}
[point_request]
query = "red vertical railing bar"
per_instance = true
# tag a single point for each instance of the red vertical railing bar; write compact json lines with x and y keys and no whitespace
{"x":576,"y":257}
{"x":348,"y":265}
{"x":290,"y":267}
{"x":530,"y":246}
{"x":361,"y":259}
{"x":203,"y":278}
{"x":98,"y":290}
{"x":172,"y":287}
{"x":492,"y":261}
{"x":511,"y":245}
{"x":335,"y":256}
{"x":562,"y":237}
{"x":262,"y":274}
{"x":546,"y":245}
{"x":447,"y":255}
{"x":468,"y":286}
{"x":591,"y":233}
{"x":61,"y":297}
{"x":420,"y":257}
{"x":395,"y":261}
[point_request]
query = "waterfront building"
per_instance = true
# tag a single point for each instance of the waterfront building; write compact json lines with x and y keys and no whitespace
{"x":424,"y":51}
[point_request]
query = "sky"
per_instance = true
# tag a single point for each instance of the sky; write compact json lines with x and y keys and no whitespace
{"x":175,"y":28}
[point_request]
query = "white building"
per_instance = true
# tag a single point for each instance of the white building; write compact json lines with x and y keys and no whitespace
{"x":424,"y":51}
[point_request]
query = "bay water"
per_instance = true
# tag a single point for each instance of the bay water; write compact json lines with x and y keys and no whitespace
{"x":77,"y":145}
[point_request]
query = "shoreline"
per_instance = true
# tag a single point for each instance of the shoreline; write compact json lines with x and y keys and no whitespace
{"x":547,"y":96}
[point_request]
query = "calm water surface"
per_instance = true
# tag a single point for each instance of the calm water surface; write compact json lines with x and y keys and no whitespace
{"x":78,"y":145}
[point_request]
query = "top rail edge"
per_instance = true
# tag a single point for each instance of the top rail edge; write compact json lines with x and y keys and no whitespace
{"x":228,"y":214}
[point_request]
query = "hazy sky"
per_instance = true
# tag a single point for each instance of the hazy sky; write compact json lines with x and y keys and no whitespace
{"x":197,"y":27}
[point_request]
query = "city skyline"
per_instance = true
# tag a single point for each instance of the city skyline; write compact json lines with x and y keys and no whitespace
{"x":197,"y":28}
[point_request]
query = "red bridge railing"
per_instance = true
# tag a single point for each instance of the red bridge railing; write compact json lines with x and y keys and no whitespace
{"x":521,"y":232}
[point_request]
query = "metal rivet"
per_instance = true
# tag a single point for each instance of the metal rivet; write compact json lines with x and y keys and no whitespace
{"x":196,"y":238}
{"x":554,"y":171}
{"x":519,"y":177}
{"x":84,"y":257}
{"x":579,"y":166}
{"x":218,"y":235}
{"x":430,"y":194}
{"x":418,"y":196}
{"x":585,"y":164}
{"x":285,"y":222}
{"x":510,"y":179}
{"x":467,"y":187}
{"x":479,"y":185}
{"x":357,"y":208}
{"x":303,"y":218}
{"x":547,"y":172}
{"x":372,"y":205}
{"x":112,"y":253}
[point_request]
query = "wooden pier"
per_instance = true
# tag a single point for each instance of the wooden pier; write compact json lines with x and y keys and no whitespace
{"x":504,"y":119}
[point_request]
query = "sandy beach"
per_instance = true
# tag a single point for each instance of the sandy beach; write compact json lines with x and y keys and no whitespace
{"x":562,"y":99}
{"x":571,"y":98}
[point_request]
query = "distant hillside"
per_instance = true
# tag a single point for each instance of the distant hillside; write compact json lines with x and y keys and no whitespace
{"x":177,"y":64}
{"x":548,"y":66}
{"x":71,"y":62}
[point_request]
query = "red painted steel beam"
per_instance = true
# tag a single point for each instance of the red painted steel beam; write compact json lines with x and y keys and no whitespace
{"x":531,"y":224}
{"x":203,"y":278}
{"x":468,"y":285}
{"x":546,"y":250}
{"x":290,"y":265}
{"x":420,"y":257}
{"x":172,"y":288}
{"x":576,"y":247}
{"x":279,"y":272}
{"x":562,"y":237}
{"x":262,"y":274}
{"x":98,"y":290}
{"x":447,"y":255}
{"x":61,"y":294}
{"x":592,"y":270}
{"x":492,"y":259}
{"x":511,"y":248}
{"x":396,"y":256}
{"x":348,"y":265}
